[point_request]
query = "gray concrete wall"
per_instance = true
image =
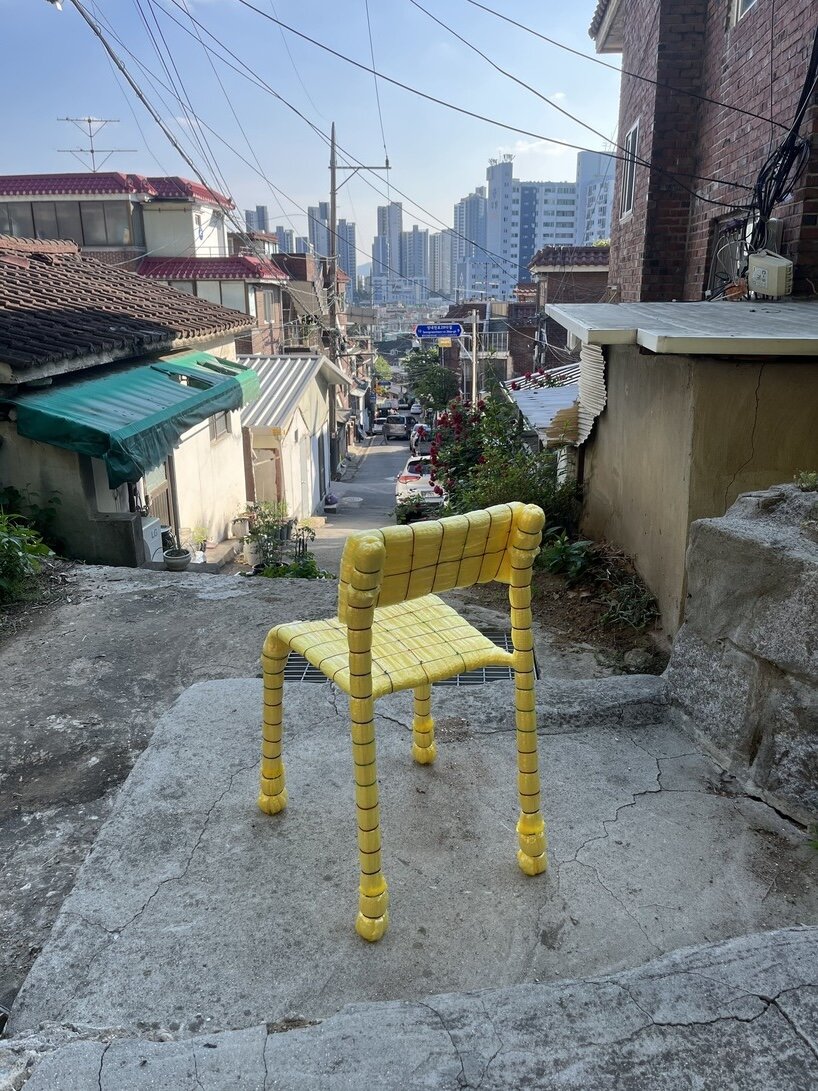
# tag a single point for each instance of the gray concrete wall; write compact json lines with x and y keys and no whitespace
{"x":681,"y":437}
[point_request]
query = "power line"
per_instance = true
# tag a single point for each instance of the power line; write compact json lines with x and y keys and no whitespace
{"x":292,"y":62}
{"x":253,"y":77}
{"x":375,"y":81}
{"x":622,"y":71}
{"x":491,"y":121}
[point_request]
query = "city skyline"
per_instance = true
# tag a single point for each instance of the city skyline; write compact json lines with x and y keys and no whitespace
{"x":407,"y":46}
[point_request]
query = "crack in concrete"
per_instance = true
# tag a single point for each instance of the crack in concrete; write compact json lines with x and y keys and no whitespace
{"x":621,"y":904}
{"x":497,"y":1051}
{"x":264,"y":1060}
{"x":811,"y":1046}
{"x":751,"y":455}
{"x":196,"y":1067}
{"x":101,"y":1063}
{"x":117,"y":932}
{"x":462,"y":1082}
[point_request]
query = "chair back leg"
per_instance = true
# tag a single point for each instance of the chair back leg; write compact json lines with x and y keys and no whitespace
{"x":424,"y":749}
{"x":272,"y":791}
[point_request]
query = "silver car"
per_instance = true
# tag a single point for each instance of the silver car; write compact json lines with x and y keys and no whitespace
{"x":397,"y":426}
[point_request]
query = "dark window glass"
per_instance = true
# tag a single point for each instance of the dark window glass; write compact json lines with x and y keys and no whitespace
{"x":219,"y":425}
{"x":69,"y":225}
{"x":5,"y":228}
{"x":45,"y":219}
{"x":93,"y":223}
{"x":21,"y":222}
{"x":117,"y":223}
{"x":137,"y":226}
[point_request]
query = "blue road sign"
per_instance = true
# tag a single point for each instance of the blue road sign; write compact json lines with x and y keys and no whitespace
{"x":448,"y":329}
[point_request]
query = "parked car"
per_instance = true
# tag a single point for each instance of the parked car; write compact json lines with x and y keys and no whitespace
{"x":420,"y":439}
{"x":416,"y":408}
{"x":413,"y":482}
{"x":377,"y":426}
{"x":397,"y":426}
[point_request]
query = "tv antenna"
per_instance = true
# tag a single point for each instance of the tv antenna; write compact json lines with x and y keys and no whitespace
{"x":90,"y":127}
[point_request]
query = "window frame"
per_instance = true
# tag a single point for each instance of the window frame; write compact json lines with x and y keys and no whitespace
{"x":220,"y":425}
{"x":627,"y":197}
{"x":742,"y":8}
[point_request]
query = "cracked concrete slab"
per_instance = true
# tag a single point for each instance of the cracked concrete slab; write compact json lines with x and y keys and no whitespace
{"x":195,"y":912}
{"x":740,"y":1014}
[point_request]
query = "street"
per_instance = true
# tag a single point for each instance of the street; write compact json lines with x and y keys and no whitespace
{"x":365,"y":500}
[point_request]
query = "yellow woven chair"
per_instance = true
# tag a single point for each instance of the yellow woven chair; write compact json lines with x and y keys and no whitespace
{"x":393,"y":633}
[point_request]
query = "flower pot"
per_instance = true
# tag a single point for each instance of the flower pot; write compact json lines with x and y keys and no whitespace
{"x":177,"y":560}
{"x":252,"y":553}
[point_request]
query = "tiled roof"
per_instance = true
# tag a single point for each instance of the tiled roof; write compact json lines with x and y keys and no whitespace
{"x":237,"y":267}
{"x":59,"y":306}
{"x":598,"y":16}
{"x":107,"y":182}
{"x":571,"y":255}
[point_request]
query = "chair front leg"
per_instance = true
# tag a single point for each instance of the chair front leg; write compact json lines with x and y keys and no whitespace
{"x":532,"y":856}
{"x":373,"y":896}
{"x":424,"y":749}
{"x":273,"y":793}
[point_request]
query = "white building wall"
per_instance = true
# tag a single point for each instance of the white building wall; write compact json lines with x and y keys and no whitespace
{"x":188,"y":230}
{"x":210,"y":488}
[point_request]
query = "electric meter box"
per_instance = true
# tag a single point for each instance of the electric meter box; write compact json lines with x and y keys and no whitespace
{"x":769,"y":274}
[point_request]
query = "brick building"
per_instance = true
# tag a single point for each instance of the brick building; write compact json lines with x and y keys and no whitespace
{"x":566,"y":274}
{"x":748,"y":54}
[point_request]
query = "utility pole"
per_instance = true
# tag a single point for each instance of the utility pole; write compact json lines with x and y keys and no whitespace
{"x":474,"y":359}
{"x":90,"y":126}
{"x":333,"y":236}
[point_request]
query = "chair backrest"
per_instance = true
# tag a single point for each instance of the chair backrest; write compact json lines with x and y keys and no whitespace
{"x":430,"y":557}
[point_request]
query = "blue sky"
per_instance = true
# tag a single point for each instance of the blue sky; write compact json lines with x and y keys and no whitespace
{"x":59,"y":69}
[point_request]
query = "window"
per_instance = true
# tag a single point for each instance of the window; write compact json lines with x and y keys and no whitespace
{"x":20,"y":222}
{"x":219,"y":425}
{"x":741,"y":8}
{"x":45,"y":220}
{"x":69,"y":224}
{"x":93,"y":223}
{"x":629,"y":171}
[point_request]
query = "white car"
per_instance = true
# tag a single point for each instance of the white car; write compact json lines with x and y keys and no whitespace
{"x":377,"y":426}
{"x":413,"y":482}
{"x":416,"y":408}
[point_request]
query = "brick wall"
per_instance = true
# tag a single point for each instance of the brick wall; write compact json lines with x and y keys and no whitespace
{"x":662,"y":250}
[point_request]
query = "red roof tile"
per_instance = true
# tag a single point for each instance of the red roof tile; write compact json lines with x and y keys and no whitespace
{"x":60,"y":306}
{"x":236,"y":267}
{"x":571,"y":255}
{"x":107,"y":182}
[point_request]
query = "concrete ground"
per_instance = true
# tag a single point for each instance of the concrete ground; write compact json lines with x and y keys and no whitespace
{"x":195,"y":913}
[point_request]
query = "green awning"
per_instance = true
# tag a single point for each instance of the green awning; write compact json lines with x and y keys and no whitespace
{"x":133,"y":417}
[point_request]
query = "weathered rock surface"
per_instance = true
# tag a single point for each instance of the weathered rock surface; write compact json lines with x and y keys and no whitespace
{"x":744,"y":668}
{"x":741,"y":1015}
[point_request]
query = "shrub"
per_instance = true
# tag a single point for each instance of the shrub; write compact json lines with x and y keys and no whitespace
{"x":630,"y":603}
{"x":20,"y":550}
{"x":807,"y":480}
{"x":529,"y":478}
{"x":560,"y":554}
{"x":302,"y":568}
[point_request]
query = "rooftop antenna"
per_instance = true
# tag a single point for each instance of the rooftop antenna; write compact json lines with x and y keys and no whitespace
{"x":90,"y":126}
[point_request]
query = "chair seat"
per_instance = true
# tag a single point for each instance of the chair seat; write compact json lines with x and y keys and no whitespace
{"x":413,"y":643}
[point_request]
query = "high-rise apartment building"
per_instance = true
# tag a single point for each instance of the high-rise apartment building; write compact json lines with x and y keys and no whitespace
{"x":302,"y":245}
{"x":596,"y":173}
{"x":286,"y":240}
{"x":348,"y":254}
{"x":257,"y":219}
{"x":386,"y":253}
{"x":443,"y":264}
{"x":520,"y":218}
{"x":318,"y":227}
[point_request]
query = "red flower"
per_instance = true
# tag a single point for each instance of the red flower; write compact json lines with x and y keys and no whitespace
{"x":438,"y":490}
{"x":481,"y":460}
{"x":481,"y":405}
{"x":527,"y":376}
{"x":515,"y":386}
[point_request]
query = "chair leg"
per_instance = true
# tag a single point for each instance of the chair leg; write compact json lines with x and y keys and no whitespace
{"x":424,"y":750}
{"x":532,"y":855}
{"x":273,"y":793}
{"x":373,"y":897}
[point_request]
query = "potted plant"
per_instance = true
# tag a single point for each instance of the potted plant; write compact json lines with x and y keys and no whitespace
{"x":270,"y":529}
{"x":177,"y":558}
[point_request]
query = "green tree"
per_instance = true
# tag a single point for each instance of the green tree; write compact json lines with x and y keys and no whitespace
{"x":382,"y":368}
{"x":433,"y":384}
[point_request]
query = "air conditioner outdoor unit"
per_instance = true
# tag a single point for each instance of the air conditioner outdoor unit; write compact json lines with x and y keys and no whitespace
{"x":769,"y":274}
{"x":152,"y":537}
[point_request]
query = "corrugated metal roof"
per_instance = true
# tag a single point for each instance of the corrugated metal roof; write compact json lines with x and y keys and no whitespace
{"x":540,"y":405}
{"x":284,"y":381}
